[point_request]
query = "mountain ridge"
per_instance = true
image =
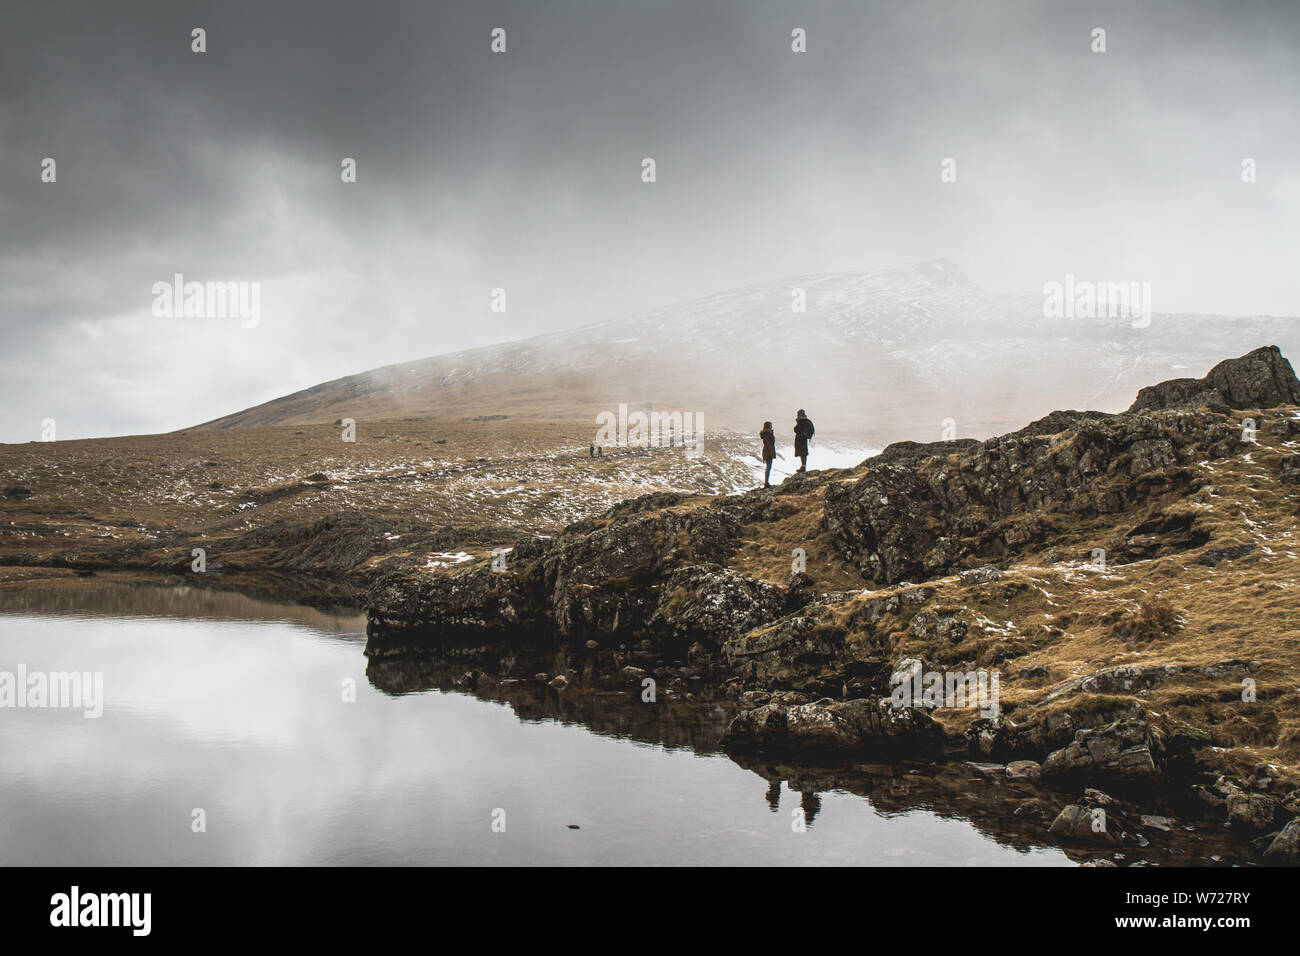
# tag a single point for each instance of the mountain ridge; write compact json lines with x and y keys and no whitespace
{"x":893,"y":352}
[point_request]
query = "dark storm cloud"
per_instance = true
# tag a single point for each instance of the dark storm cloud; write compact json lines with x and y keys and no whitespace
{"x":522,"y":171}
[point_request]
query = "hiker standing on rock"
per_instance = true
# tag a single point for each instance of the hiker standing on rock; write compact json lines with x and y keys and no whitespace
{"x":769,"y":451}
{"x":803,"y":430}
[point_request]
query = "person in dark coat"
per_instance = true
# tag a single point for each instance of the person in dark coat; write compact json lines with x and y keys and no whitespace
{"x":769,"y":451}
{"x":803,"y":430}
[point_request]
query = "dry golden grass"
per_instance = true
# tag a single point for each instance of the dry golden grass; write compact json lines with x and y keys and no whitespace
{"x":530,"y":476}
{"x":767,"y":550}
{"x":1233,"y":598}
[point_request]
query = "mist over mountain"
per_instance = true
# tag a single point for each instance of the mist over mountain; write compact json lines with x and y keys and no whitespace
{"x":889,"y":353}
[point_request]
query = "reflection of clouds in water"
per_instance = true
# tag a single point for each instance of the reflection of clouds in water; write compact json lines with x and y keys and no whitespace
{"x":246,"y":720}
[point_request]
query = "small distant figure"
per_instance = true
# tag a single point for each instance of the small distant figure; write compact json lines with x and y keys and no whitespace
{"x":769,"y":451}
{"x":600,"y":451}
{"x":591,"y":450}
{"x":803,"y":430}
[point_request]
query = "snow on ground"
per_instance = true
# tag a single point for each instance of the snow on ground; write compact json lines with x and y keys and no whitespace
{"x":822,"y":455}
{"x":443,"y":559}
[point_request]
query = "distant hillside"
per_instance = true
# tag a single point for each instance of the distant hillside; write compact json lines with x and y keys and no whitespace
{"x":888,"y":353}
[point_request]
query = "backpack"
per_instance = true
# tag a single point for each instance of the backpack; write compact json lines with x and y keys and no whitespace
{"x":807,"y":428}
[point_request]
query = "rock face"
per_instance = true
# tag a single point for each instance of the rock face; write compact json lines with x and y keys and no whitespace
{"x":1251,"y":811}
{"x":1122,"y":750}
{"x":708,"y":602}
{"x":1131,"y":678}
{"x":927,"y":510}
{"x":1260,"y":379}
{"x":918,"y":515}
{"x":643,"y":575}
{"x":923,"y":511}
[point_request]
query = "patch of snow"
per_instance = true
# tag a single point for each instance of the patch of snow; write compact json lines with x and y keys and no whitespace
{"x":443,"y":559}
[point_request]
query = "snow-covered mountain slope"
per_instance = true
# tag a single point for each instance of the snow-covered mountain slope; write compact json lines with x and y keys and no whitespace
{"x":890,"y":353}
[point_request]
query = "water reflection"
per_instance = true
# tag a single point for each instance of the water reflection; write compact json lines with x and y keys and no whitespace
{"x":239,"y":706}
{"x":98,"y":598}
{"x":599,"y":698}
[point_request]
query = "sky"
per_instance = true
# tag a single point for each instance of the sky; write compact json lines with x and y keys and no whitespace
{"x":523,"y":170}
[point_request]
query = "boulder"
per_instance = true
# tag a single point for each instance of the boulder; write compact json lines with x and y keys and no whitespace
{"x":1088,"y":824}
{"x":1024,"y":770}
{"x":983,"y":575}
{"x":1259,"y":379}
{"x":1121,"y":749}
{"x":1285,"y":847}
{"x":1252,"y":812}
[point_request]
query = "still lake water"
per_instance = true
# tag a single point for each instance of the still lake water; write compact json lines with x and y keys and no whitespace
{"x":233,"y":705}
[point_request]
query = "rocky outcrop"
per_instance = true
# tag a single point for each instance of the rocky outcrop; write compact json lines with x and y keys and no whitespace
{"x":475,"y":603}
{"x":1120,"y":750}
{"x":708,"y":602}
{"x":921,"y":515}
{"x":923,"y":511}
{"x":1260,"y":379}
{"x":639,"y":575}
{"x":1055,"y":728}
{"x":1133,"y":678}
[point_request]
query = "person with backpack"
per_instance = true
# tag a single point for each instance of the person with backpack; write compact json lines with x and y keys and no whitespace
{"x":803,"y":430}
{"x":769,"y":451}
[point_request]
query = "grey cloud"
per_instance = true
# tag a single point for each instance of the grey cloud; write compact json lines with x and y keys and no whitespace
{"x":522,"y":170}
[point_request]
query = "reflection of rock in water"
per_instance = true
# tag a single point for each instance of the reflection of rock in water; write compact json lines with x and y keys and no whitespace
{"x":687,"y":711}
{"x":604,"y":694}
{"x":993,"y":807}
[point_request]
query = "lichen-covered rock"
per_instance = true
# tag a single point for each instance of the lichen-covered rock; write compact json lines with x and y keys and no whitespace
{"x":475,"y":601}
{"x":984,"y":575}
{"x":1088,"y":824}
{"x":712,"y":603}
{"x":1038,"y":733}
{"x":1285,"y":847}
{"x":758,"y":728}
{"x":1024,"y":770}
{"x":1122,"y":749}
{"x":1128,"y":679}
{"x":944,"y":625}
{"x":922,"y":512}
{"x":1251,"y":811}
